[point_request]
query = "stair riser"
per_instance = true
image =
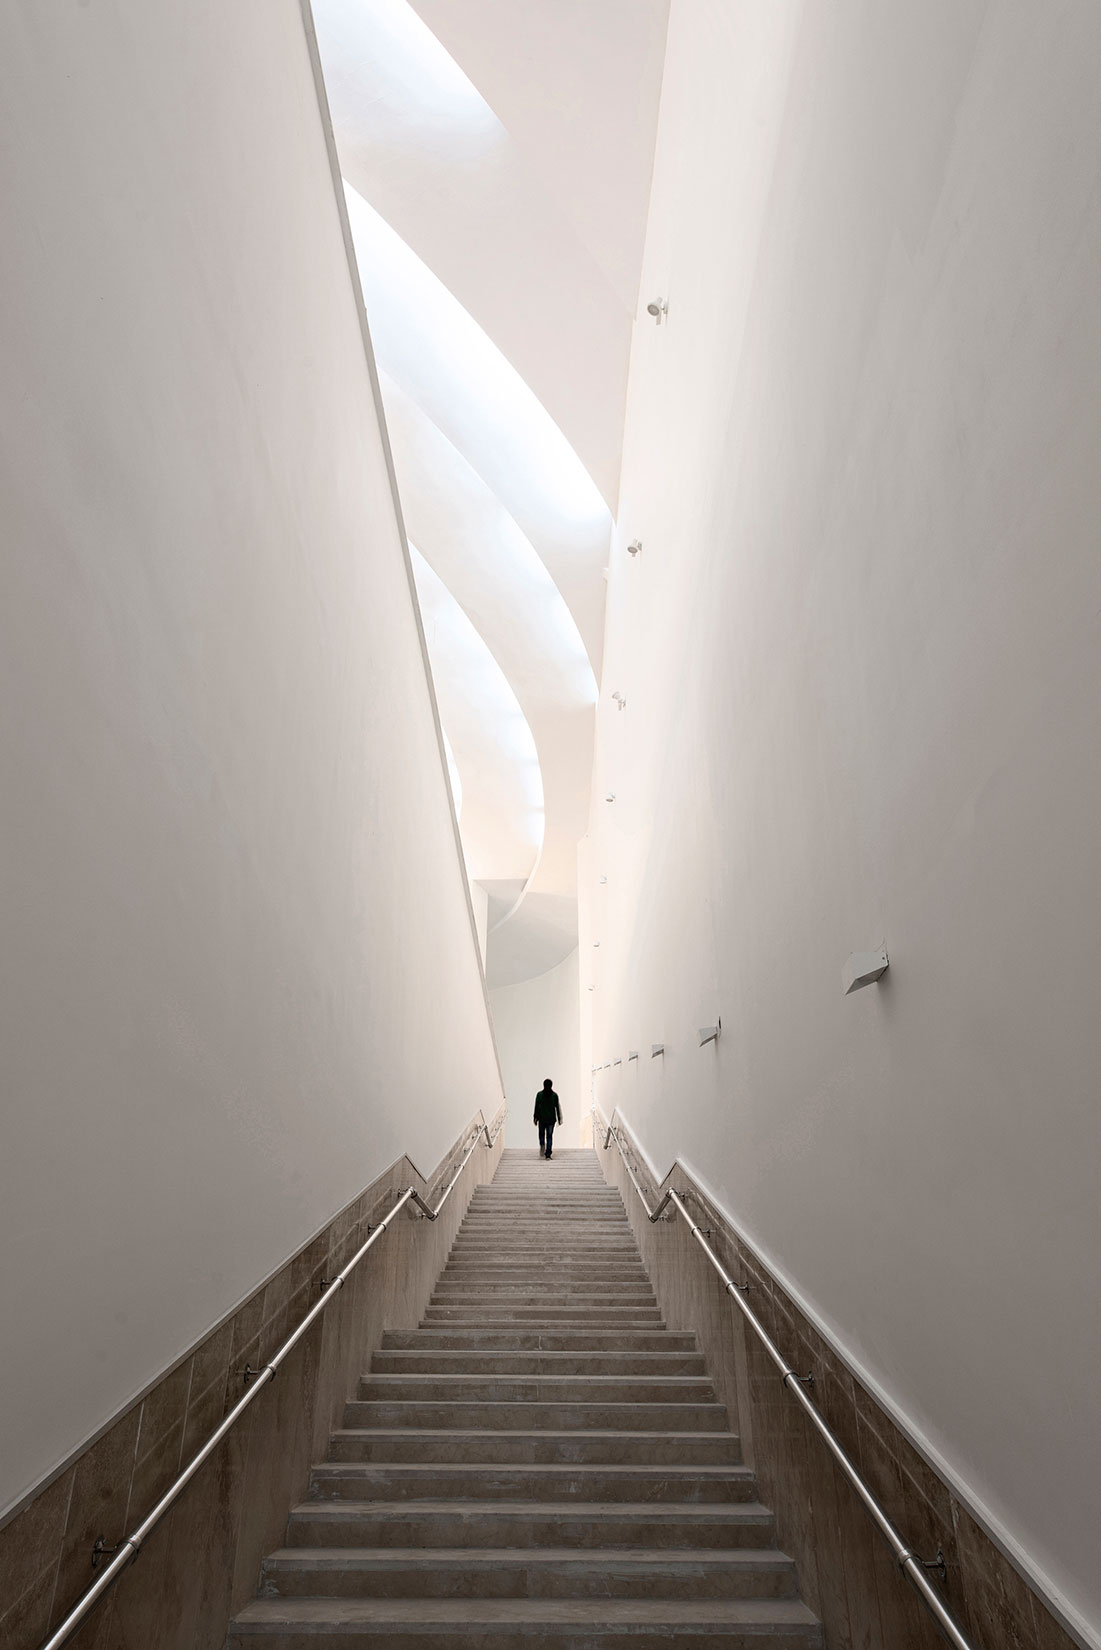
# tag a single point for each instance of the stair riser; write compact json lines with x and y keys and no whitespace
{"x":348,"y":1482}
{"x":493,"y":1636}
{"x":539,"y":1363}
{"x":597,"y":1316}
{"x":716,"y":1449}
{"x":547,"y":1340}
{"x":529,"y":1417}
{"x":533,"y":1389}
{"x":501,"y":1297}
{"x":582,"y":1577}
{"x":556,"y":1528}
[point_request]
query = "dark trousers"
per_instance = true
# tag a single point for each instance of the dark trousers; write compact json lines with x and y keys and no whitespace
{"x":546,"y":1134}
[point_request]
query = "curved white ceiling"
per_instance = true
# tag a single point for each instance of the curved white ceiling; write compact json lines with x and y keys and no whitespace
{"x":468,"y":190}
{"x":499,"y":250}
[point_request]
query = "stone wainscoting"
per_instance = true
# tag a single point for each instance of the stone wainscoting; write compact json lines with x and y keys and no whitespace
{"x":202,"y":1562}
{"x":847,"y":1572}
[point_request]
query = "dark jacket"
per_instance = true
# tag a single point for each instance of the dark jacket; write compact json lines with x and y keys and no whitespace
{"x":547,"y":1109}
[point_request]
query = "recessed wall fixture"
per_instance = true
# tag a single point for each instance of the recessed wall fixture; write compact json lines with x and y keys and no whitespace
{"x":708,"y":1034}
{"x":620,"y":700}
{"x":659,"y":309}
{"x":864,"y":968}
{"x":610,"y":797}
{"x":590,"y":988}
{"x":632,"y":1054}
{"x":617,"y":1062}
{"x":656,"y":1048}
{"x":634,"y":547}
{"x":596,"y":945}
{"x":603,"y":880}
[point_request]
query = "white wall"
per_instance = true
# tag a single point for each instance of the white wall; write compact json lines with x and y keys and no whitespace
{"x":862,"y":661}
{"x":230,"y":892}
{"x":538,"y":1032}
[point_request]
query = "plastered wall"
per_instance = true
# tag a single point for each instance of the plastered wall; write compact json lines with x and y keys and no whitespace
{"x":861,"y":656}
{"x":238,"y":975}
{"x":537,"y":1030}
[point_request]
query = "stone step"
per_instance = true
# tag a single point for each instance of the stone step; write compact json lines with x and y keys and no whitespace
{"x":592,"y":1448}
{"x":462,"y":1387}
{"x":549,"y":1572}
{"x":499,"y":1481}
{"x":528,"y":1525}
{"x":506,"y":1297}
{"x":550,"y":1276}
{"x":597,"y":1316}
{"x":560,"y":1339}
{"x":559,"y":1417}
{"x":442,"y":1362}
{"x":515,"y":1624}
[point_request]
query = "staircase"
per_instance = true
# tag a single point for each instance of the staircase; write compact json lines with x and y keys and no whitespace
{"x":542,"y":1462}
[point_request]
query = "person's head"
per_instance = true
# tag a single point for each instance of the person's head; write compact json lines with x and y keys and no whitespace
{"x":547,"y":1084}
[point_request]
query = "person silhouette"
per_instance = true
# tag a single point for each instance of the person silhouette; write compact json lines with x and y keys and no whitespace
{"x":547,"y":1113}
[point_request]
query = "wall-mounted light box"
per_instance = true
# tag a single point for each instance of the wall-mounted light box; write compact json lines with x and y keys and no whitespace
{"x":863,"y":968}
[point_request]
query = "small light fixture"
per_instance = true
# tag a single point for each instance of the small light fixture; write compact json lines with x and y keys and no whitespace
{"x":617,"y":1062}
{"x":656,"y":1049}
{"x":708,"y":1034}
{"x":590,"y":988}
{"x":596,"y":945}
{"x":620,"y":700}
{"x":658,"y":309}
{"x":603,"y":880}
{"x":864,"y":968}
{"x":610,"y":797}
{"x":632,"y":1054}
{"x":634,"y":547}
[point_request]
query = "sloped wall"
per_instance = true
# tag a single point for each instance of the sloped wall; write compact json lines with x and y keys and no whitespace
{"x":238,"y":975}
{"x":861,"y":658}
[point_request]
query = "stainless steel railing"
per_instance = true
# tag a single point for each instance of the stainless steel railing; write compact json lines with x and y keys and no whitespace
{"x":913,"y":1566}
{"x":129,"y":1549}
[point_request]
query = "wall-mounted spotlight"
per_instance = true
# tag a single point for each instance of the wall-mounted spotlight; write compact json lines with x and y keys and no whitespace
{"x":634,"y":547}
{"x":617,"y":1062}
{"x":709,"y":1034}
{"x":610,"y":797}
{"x":864,"y":968}
{"x":656,"y":1048}
{"x":620,"y":700}
{"x":596,"y":945}
{"x":603,"y":880}
{"x":632,"y":1054}
{"x":659,"y":309}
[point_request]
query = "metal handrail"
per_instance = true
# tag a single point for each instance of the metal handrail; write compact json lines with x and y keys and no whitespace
{"x":129,"y":1549}
{"x":912,"y":1565}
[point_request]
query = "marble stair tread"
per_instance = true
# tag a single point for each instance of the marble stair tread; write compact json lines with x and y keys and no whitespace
{"x":560,"y":1622}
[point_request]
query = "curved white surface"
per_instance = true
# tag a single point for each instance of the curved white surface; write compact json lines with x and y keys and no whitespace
{"x":490,"y":742}
{"x":420,"y":142}
{"x":451,"y":368}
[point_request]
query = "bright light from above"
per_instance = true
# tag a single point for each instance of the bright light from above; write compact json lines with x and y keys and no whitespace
{"x":494,"y":751}
{"x":441,"y":357}
{"x":414,"y":83}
